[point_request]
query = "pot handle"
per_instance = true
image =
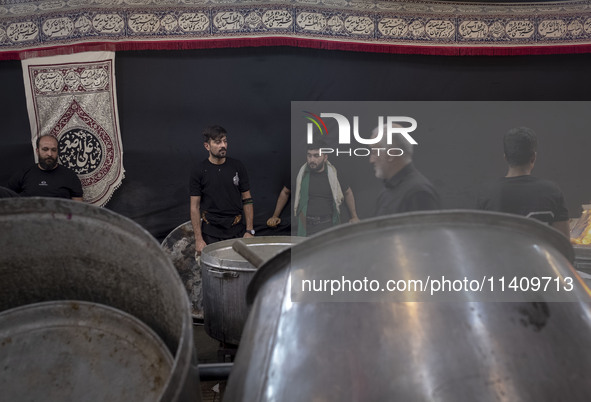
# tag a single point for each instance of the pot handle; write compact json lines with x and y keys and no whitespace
{"x":242,"y":248}
{"x":223,"y":274}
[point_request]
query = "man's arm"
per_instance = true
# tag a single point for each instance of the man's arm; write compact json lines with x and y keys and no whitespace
{"x":196,"y":222}
{"x":562,"y":226}
{"x":248,"y":213}
{"x":76,"y":190}
{"x":350,"y":201}
{"x":15,"y":182}
{"x":281,"y":202}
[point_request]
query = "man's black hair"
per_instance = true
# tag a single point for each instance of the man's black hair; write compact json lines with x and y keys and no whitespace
{"x":520,"y":145}
{"x":213,"y":133}
{"x":317,"y":143}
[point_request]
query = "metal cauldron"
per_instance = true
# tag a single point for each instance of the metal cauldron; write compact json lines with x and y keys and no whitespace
{"x":61,"y":250}
{"x":461,"y":349}
{"x":73,"y":350}
{"x":226,"y":275}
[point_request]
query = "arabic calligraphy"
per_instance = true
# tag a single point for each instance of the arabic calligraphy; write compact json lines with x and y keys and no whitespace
{"x":394,"y":27}
{"x":552,"y":28}
{"x":275,"y":19}
{"x":144,"y":23}
{"x":441,"y":29}
{"x":80,"y":150}
{"x":51,"y":5}
{"x":253,"y":20}
{"x":228,"y":21}
{"x":193,"y":22}
{"x":22,"y":31}
{"x":311,"y":21}
{"x":416,"y":8}
{"x":72,"y":80}
{"x":520,"y":29}
{"x":58,"y":27}
{"x":335,"y":24}
{"x":359,"y":25}
{"x":49,"y":82}
{"x":169,"y":23}
{"x":497,"y":30}
{"x":575,"y":28}
{"x":417,"y":28}
{"x":94,"y":78}
{"x":83,"y":24}
{"x":473,"y":29}
{"x":108,"y":23}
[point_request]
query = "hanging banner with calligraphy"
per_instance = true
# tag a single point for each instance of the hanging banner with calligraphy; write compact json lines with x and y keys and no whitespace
{"x":73,"y":98}
{"x":403,"y":26}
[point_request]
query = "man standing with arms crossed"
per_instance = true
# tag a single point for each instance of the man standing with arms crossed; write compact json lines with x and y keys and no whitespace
{"x":220,"y":193}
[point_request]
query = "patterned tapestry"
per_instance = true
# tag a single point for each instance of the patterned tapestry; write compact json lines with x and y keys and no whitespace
{"x":393,"y":26}
{"x":73,"y":98}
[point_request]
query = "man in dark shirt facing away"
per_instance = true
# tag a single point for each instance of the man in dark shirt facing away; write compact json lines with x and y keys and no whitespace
{"x":521,"y":193}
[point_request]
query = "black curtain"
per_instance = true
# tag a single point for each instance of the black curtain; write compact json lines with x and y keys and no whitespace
{"x":167,"y":97}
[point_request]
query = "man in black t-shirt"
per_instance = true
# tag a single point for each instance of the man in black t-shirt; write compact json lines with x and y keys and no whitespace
{"x":320,"y":192}
{"x":405,"y":188}
{"x":521,"y":193}
{"x":47,"y":178}
{"x":220,"y":193}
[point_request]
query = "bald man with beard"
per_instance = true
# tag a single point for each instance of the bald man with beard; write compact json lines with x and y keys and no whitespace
{"x":47,"y":178}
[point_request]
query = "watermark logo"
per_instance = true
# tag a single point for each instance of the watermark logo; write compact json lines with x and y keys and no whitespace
{"x":318,"y":122}
{"x":386,"y":128}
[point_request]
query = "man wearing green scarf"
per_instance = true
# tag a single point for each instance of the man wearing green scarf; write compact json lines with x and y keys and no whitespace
{"x":319,"y":194}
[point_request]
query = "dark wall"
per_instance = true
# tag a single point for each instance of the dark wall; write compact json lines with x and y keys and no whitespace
{"x":167,"y":97}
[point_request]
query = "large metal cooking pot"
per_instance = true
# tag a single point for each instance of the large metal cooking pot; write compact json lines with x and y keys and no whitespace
{"x":56,"y":249}
{"x":80,"y":351}
{"x":462,"y":349}
{"x":180,"y":247}
{"x":226,"y":275}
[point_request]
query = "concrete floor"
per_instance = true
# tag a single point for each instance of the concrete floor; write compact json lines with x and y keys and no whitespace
{"x":208,"y":352}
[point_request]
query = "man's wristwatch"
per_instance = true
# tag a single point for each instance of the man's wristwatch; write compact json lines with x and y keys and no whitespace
{"x":251,"y":231}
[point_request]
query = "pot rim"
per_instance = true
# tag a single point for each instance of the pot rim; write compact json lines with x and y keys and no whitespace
{"x":320,"y":240}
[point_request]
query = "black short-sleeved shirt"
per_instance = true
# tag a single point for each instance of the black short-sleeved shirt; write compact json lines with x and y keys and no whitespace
{"x":220,"y":186}
{"x":407,"y":191}
{"x":320,"y":199}
{"x":525,"y":195}
{"x":60,"y":182}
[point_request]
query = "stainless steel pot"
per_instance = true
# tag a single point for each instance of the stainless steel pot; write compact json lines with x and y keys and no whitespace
{"x":226,"y":275}
{"x":77,"y":351}
{"x":462,"y":349}
{"x":56,"y":250}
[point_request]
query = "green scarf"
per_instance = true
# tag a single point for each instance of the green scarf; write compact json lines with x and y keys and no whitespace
{"x":302,"y":210}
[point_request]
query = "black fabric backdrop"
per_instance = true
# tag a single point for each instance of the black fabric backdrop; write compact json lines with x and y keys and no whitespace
{"x":167,"y":97}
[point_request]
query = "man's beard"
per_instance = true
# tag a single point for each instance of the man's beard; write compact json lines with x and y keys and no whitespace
{"x":316,"y":167}
{"x":48,"y":163}
{"x":221,"y":154}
